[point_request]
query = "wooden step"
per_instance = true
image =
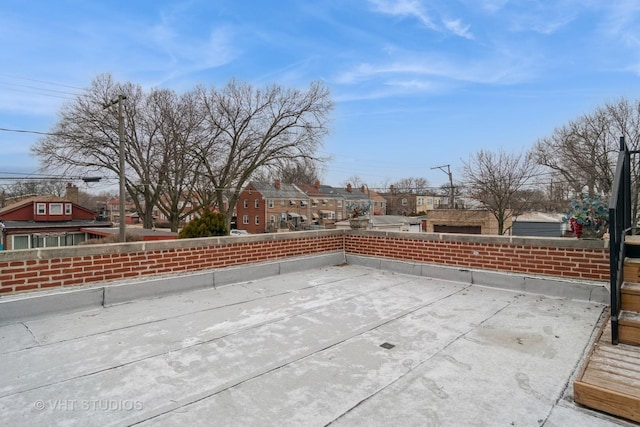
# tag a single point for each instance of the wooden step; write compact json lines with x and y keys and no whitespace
{"x":631,"y":272}
{"x":630,"y":295}
{"x":632,"y":240}
{"x":629,"y":327}
{"x":609,"y":380}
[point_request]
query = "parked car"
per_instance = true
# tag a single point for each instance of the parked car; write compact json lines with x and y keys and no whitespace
{"x":236,"y":232}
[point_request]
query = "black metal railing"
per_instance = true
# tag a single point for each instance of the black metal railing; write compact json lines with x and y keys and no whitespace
{"x":619,"y":227}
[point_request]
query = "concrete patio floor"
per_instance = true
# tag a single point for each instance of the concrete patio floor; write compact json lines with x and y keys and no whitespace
{"x":305,"y":349}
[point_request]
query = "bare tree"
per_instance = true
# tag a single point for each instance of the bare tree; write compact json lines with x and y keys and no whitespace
{"x":498,"y":180}
{"x":624,"y":119}
{"x":411,"y":185}
{"x":254,"y":128}
{"x":298,"y":171}
{"x":582,"y":152}
{"x":85,"y":140}
{"x":178,"y":121}
{"x":355,"y":181}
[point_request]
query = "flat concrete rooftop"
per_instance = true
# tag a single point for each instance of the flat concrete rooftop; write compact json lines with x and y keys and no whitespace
{"x":341,"y":345}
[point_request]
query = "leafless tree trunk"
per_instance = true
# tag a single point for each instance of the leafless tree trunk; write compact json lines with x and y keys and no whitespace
{"x":498,"y":181}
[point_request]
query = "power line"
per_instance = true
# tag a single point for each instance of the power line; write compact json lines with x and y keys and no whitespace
{"x":41,"y":94}
{"x":27,"y":131}
{"x":40,"y":88}
{"x":42,"y":81}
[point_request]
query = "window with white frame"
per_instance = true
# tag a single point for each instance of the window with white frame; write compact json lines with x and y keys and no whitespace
{"x":41,"y":208}
{"x":339,"y":203}
{"x":404,"y":202}
{"x":257,"y":203}
{"x":257,"y":219}
{"x":55,"y":208}
{"x":20,"y":242}
{"x":270,"y":203}
{"x":245,"y":219}
{"x":420,"y":201}
{"x":67,"y":208}
{"x":272,"y":219}
{"x":246,"y":203}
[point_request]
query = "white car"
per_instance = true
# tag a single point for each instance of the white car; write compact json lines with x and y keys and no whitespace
{"x":236,"y":232}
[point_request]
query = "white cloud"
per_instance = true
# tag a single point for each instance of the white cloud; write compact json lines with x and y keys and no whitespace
{"x":404,"y":8}
{"x":503,"y":69}
{"x":621,"y":21}
{"x":456,"y":27}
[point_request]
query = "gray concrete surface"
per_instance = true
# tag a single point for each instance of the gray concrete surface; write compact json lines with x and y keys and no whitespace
{"x":305,"y":349}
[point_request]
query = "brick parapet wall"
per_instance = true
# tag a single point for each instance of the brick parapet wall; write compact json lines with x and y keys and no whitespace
{"x":560,"y":257}
{"x":27,"y":270}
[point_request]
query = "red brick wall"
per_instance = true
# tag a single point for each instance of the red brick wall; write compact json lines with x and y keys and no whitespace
{"x":61,"y":267}
{"x":568,"y":258}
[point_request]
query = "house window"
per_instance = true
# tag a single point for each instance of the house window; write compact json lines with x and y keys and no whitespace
{"x":55,"y":208}
{"x":272,"y":219}
{"x":257,"y":203}
{"x":420,"y":201}
{"x":339,"y":203}
{"x":20,"y":242}
{"x":67,"y":208}
{"x":404,"y":202}
{"x":41,"y":208}
{"x":245,"y":219}
{"x":303,"y":203}
{"x":246,"y":203}
{"x":257,"y":219}
{"x":270,"y":202}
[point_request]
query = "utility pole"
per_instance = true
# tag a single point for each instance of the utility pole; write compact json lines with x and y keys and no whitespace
{"x":121,"y":203}
{"x":450,"y":175}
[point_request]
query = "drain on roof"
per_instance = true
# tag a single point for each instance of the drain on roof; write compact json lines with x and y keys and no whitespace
{"x":387,"y":345}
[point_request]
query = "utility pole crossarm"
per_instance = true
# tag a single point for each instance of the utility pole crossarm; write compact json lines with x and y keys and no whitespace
{"x":450,"y":175}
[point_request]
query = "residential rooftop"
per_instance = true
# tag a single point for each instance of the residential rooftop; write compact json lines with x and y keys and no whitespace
{"x":327,"y":344}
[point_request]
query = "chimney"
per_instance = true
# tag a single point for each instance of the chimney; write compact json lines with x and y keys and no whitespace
{"x":362,"y":189}
{"x":349,"y":188}
{"x":391,"y":188}
{"x":277,"y":184}
{"x":72,"y":193}
{"x":316,"y":184}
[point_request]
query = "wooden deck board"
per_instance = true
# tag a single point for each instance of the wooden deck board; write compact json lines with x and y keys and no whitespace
{"x":609,"y":380}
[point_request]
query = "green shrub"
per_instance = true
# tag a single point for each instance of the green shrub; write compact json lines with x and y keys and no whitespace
{"x":209,"y":224}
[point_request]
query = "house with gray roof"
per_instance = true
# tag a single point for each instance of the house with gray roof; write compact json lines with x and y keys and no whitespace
{"x":269,"y":207}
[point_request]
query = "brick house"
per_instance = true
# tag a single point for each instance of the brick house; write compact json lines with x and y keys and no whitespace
{"x":46,"y":221}
{"x":265,"y":208}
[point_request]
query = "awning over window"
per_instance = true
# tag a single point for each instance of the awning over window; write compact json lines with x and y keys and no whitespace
{"x":315,"y":215}
{"x":304,"y":217}
{"x":325,"y":212}
{"x":325,"y":201}
{"x":315,"y":201}
{"x":294,"y":215}
{"x":303,"y":203}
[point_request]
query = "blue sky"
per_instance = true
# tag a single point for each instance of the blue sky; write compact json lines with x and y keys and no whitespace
{"x":416,"y":84}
